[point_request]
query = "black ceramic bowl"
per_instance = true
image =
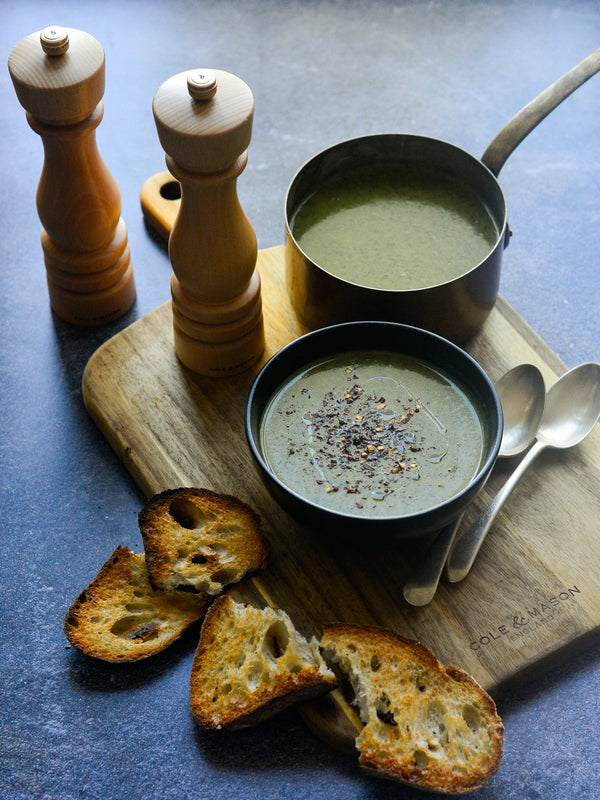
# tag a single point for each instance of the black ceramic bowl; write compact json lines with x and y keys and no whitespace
{"x":376,"y":336}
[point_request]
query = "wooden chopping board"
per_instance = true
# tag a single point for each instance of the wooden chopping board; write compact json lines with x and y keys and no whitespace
{"x":533,"y":596}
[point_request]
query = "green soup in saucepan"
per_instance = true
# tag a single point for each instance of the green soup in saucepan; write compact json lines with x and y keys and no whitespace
{"x":395,"y":227}
{"x":378,"y":434}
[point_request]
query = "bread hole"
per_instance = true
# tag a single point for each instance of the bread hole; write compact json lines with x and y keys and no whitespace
{"x":241,"y":658}
{"x":220,"y":549}
{"x":472,"y":717}
{"x":139,"y":607}
{"x":139,"y":593}
{"x":187,"y":514}
{"x":387,"y":717}
{"x":421,"y":759}
{"x":226,"y":689}
{"x":135,"y":627}
{"x":296,"y":666}
{"x":225,"y":576}
{"x":375,"y":662}
{"x":183,"y":553}
{"x":276,"y":640}
{"x":228,"y":528}
{"x":186,"y":587}
{"x":254,"y":675}
{"x":384,"y":711}
{"x":436,"y":722}
{"x":199,"y":558}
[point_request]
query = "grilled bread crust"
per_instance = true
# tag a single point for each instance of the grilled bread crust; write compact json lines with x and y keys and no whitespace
{"x":250,"y":664}
{"x":426,"y":725}
{"x":120,"y":617}
{"x":196,"y":540}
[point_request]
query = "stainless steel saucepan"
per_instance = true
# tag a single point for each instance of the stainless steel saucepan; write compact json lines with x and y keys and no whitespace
{"x":456,"y":308}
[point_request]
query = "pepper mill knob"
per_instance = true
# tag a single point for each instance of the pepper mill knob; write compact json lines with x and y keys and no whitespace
{"x":204,"y":124}
{"x":58,"y":75}
{"x":54,"y":41}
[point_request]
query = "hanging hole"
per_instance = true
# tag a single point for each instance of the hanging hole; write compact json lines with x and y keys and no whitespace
{"x":171,"y":190}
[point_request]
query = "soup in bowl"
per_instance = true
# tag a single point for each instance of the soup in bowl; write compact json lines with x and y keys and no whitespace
{"x":373,"y":427}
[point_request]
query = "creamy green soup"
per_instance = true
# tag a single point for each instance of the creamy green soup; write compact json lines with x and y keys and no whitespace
{"x":373,"y":434}
{"x":395,"y":227}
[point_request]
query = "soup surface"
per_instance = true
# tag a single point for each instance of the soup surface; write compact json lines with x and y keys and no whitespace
{"x":378,"y":434}
{"x":395,"y":227}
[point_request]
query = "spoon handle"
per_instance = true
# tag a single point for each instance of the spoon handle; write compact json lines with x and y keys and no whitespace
{"x":421,"y":586}
{"x":465,"y":550}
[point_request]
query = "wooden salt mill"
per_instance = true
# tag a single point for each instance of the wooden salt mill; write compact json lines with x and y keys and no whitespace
{"x":58,"y":75}
{"x":204,"y":123}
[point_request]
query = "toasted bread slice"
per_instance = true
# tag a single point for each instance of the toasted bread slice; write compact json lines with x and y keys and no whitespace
{"x":426,"y":725}
{"x":196,"y":540}
{"x":119,"y":617}
{"x":250,"y":664}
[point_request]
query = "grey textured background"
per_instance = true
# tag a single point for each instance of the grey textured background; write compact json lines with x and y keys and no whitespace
{"x":321,"y":72}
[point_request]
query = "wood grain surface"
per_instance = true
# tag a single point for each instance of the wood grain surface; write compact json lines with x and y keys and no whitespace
{"x":84,"y":238}
{"x":533,"y":595}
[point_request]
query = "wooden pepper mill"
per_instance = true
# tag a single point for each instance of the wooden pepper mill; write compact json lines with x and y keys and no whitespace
{"x":204,"y":123}
{"x":58,"y":75}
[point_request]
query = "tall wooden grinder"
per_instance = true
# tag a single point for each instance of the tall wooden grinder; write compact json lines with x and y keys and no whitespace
{"x":59,"y":77}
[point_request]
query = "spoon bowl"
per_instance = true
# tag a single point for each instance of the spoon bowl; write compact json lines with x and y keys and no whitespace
{"x":572,"y":407}
{"x":571,"y":411}
{"x":522,"y":396}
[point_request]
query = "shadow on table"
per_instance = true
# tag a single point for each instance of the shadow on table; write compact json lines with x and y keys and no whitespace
{"x":103,"y":676}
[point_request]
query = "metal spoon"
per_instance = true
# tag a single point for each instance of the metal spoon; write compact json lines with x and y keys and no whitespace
{"x":572,"y":409}
{"x":522,"y":394}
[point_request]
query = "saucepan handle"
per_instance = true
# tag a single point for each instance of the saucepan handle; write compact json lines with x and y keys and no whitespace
{"x":534,"y":112}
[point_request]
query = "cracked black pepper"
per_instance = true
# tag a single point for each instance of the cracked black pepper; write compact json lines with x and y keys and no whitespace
{"x":375,"y":434}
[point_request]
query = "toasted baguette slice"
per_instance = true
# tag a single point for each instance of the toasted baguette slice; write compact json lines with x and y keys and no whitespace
{"x":427,"y":725}
{"x":119,"y":617}
{"x":196,"y":540}
{"x":251,"y":664}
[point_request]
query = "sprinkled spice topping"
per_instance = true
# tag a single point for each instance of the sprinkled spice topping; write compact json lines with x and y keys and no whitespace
{"x":363,"y":441}
{"x":363,"y":434}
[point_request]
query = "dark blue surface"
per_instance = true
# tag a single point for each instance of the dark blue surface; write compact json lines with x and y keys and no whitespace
{"x":320,"y":71}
